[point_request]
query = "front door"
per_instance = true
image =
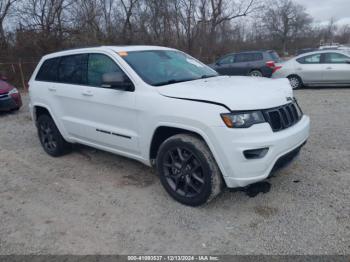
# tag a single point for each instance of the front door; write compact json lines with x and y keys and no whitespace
{"x":224,"y":65}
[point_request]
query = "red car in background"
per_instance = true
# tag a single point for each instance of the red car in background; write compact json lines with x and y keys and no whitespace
{"x":10,"y":98}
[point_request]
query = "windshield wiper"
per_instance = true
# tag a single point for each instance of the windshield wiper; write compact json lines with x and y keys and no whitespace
{"x":208,"y":76}
{"x":172,"y":81}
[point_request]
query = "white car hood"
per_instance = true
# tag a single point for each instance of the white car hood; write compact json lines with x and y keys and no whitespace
{"x":236,"y":92}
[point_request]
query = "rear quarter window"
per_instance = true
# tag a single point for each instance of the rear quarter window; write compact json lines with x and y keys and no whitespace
{"x":274,"y":56}
{"x":257,"y":57}
{"x":48,"y":71}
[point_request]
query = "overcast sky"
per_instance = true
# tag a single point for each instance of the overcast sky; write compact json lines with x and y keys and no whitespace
{"x":324,"y":10}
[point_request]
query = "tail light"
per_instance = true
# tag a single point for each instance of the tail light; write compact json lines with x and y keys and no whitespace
{"x":272,"y":65}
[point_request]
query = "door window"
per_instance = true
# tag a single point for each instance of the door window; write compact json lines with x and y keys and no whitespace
{"x":248,"y":57}
{"x":241,"y":58}
{"x":73,"y":69}
{"x":48,"y":71}
{"x":256,"y":57}
{"x":99,"y":65}
{"x":310,"y":59}
{"x":226,"y":60}
{"x":335,"y":58}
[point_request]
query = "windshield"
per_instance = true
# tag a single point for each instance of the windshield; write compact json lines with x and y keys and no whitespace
{"x":163,"y":67}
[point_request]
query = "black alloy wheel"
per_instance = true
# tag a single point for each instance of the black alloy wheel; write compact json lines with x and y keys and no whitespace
{"x":183,"y":172}
{"x":188,"y":170}
{"x":50,"y":137}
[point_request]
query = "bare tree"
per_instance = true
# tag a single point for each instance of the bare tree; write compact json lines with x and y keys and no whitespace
{"x":215,"y":13}
{"x":329,"y":31}
{"x":128,"y":8}
{"x":5,"y":8}
{"x":344,"y":34}
{"x":186,"y":16}
{"x":87,"y":21}
{"x":284,"y":20}
{"x":109,"y":19}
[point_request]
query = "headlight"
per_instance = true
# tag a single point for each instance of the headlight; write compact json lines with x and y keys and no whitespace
{"x":13,"y":91}
{"x":243,"y":119}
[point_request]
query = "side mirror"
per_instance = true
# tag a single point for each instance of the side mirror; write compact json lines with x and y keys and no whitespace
{"x":118,"y":81}
{"x":347,"y":61}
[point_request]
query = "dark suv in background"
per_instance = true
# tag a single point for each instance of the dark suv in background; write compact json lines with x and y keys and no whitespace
{"x":252,"y":63}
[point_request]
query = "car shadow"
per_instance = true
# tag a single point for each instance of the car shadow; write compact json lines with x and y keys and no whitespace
{"x":324,"y":87}
{"x":8,"y":113}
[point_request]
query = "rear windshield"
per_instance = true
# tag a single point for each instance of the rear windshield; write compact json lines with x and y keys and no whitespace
{"x":274,"y":56}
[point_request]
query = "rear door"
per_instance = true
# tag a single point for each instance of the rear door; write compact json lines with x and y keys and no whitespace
{"x":337,"y":68}
{"x":67,"y":93}
{"x":310,"y":69}
{"x":91,"y":114}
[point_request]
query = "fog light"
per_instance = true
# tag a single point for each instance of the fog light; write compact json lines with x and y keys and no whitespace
{"x":255,"y":153}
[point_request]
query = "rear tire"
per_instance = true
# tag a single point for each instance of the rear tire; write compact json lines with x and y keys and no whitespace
{"x":256,"y":73}
{"x":188,"y":170}
{"x":295,"y":82}
{"x":51,"y":138}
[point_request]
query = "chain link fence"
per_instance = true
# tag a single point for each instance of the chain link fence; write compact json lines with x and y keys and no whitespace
{"x":18,"y":72}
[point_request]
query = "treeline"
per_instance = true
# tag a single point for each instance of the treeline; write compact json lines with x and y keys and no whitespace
{"x":204,"y":28}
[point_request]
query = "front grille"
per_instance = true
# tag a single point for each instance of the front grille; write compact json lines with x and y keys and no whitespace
{"x":4,"y":95}
{"x":283,"y":117}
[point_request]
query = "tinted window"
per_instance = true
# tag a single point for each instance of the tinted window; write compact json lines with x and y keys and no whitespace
{"x":257,"y":57}
{"x":241,"y":58}
{"x":98,"y":65}
{"x":335,"y":58}
{"x":48,"y":71}
{"x":274,"y":56}
{"x":73,"y":69}
{"x":311,"y":59}
{"x":226,"y":60}
{"x":248,"y":57}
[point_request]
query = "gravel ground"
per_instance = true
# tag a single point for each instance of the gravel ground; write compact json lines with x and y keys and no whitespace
{"x":92,"y":202}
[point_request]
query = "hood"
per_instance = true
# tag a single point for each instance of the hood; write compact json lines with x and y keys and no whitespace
{"x":236,"y":92}
{"x":5,"y":87}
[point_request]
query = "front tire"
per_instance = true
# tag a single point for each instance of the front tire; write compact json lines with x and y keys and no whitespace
{"x":188,"y":171}
{"x":51,"y":138}
{"x":295,"y":82}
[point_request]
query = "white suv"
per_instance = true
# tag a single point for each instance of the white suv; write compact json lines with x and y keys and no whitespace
{"x":166,"y":109}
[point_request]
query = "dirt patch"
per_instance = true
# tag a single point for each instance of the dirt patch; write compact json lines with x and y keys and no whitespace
{"x":265,"y":211}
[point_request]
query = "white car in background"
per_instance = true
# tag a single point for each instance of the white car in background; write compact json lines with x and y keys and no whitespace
{"x":320,"y":68}
{"x":166,"y":109}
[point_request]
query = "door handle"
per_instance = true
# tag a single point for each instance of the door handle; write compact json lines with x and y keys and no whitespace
{"x":87,"y":93}
{"x":52,"y":89}
{"x":329,"y":68}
